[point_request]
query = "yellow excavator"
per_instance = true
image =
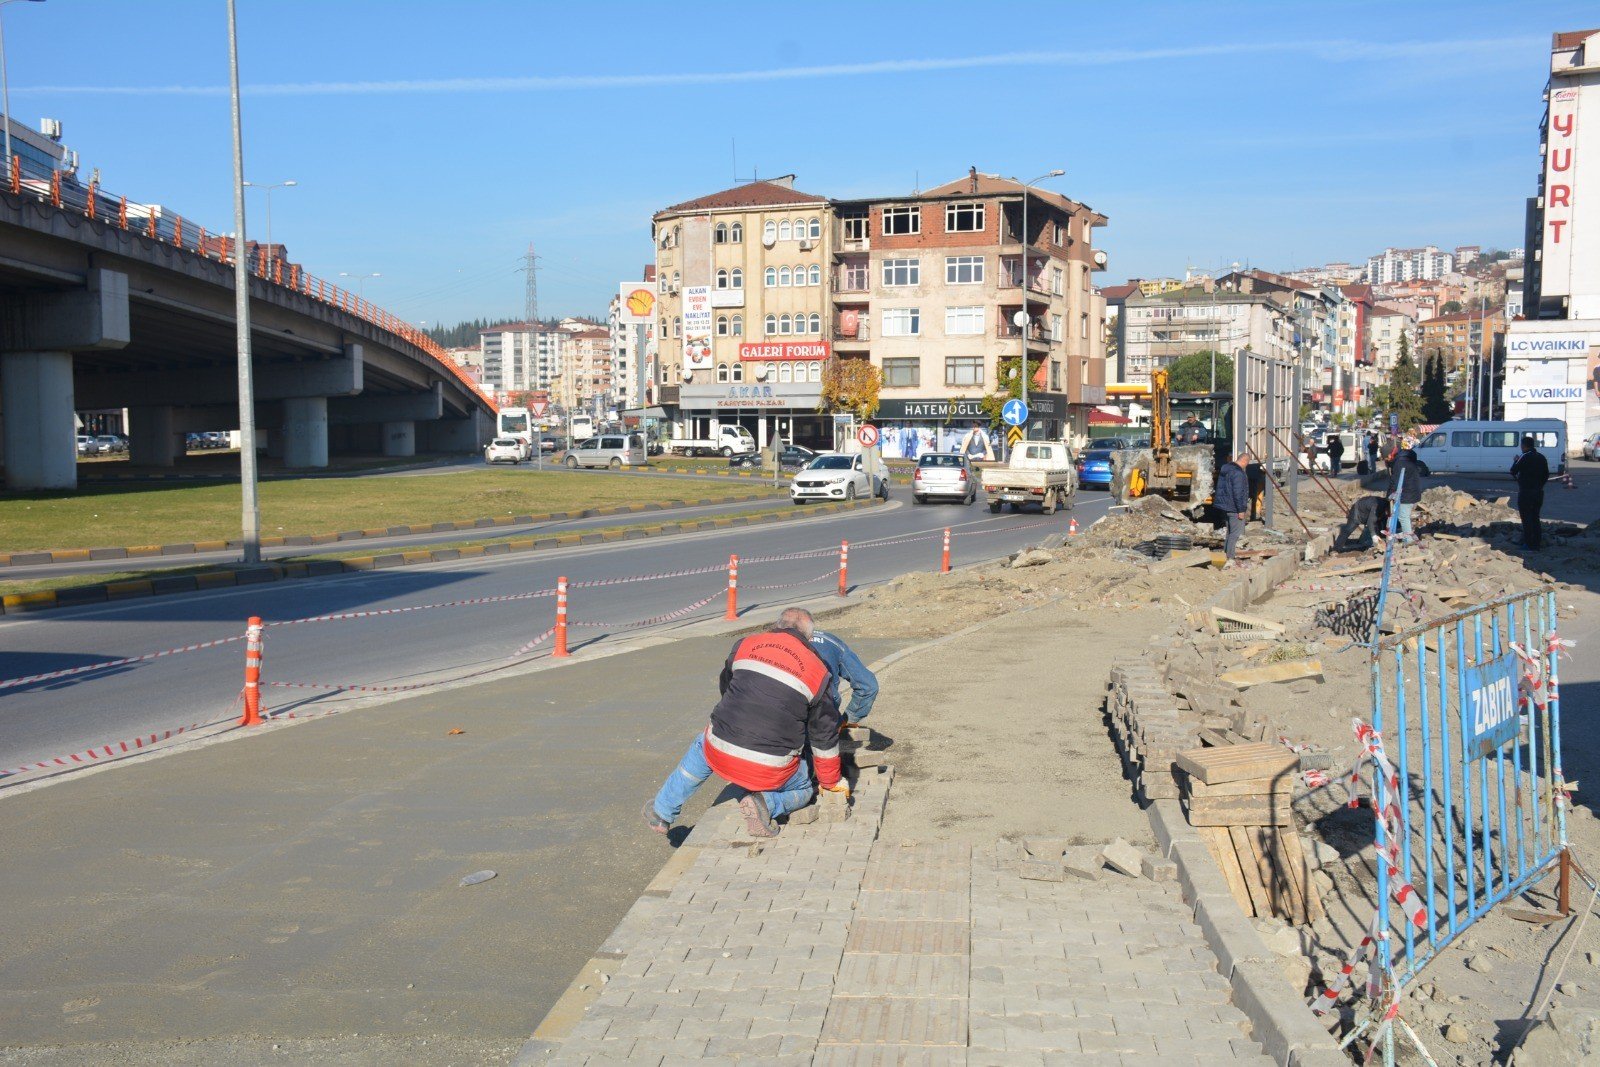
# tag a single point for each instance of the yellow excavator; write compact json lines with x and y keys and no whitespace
{"x":1185,"y":472}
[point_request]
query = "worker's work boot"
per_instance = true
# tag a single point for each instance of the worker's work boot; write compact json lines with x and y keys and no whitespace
{"x":757,"y":820}
{"x":654,"y":821}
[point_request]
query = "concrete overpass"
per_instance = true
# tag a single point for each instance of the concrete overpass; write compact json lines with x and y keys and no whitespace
{"x":104,"y":304}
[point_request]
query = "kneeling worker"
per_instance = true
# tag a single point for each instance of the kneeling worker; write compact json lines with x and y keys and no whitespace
{"x":774,"y":702}
{"x":1370,"y":512}
{"x":845,"y":666}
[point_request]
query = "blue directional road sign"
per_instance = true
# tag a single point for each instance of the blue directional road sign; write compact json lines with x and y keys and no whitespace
{"x":1015,"y":413}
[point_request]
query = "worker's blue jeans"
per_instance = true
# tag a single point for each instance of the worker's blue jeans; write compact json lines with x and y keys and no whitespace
{"x":1403,"y":518}
{"x":692,"y":771}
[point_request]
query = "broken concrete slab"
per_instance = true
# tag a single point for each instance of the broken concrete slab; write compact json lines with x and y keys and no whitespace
{"x":1123,"y":858}
{"x":1288,"y":671}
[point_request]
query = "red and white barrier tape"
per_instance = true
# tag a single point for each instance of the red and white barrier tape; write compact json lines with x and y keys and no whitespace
{"x":12,"y":683}
{"x":376,"y":612}
{"x":100,"y":752}
{"x":668,"y":617}
{"x":328,"y":687}
{"x":831,"y":572}
{"x":597,"y":582}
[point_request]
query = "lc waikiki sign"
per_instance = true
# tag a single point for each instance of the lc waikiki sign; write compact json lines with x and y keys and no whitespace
{"x":1560,"y":167}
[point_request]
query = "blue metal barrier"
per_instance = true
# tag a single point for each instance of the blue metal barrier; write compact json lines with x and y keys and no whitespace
{"x":1467,"y":711}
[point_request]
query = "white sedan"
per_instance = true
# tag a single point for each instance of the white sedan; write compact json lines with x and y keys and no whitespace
{"x":831,"y":476}
{"x":503,"y":450}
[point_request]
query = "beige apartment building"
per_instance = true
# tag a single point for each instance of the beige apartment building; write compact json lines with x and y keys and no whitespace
{"x":762,"y":284}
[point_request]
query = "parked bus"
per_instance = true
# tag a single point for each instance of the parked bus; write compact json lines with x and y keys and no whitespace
{"x":518,"y":423}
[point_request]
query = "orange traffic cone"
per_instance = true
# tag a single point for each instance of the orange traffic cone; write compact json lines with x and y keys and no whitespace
{"x":1072,"y":528}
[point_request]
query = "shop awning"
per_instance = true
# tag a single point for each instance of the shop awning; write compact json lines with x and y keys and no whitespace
{"x":1107,"y":418}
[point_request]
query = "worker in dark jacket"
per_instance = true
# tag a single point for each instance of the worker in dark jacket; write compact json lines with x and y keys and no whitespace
{"x":1531,"y":470}
{"x":1404,"y":461}
{"x":1370,"y":514}
{"x":1233,"y":500}
{"x":774,"y":702}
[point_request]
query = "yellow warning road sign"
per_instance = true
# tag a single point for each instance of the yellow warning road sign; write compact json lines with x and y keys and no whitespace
{"x":1014,"y":435}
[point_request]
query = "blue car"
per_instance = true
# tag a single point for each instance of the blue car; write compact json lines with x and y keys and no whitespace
{"x":1094,"y":462}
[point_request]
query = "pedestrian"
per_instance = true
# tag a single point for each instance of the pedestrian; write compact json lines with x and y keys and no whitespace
{"x":774,"y":702}
{"x":845,"y":666}
{"x":1371,"y":515}
{"x":1335,"y":452}
{"x":1531,"y":470}
{"x":1372,"y":452}
{"x":1233,"y":500}
{"x":1405,"y":475}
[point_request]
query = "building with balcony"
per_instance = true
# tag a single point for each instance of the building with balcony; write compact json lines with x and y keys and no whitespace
{"x":1153,"y":331}
{"x":1386,"y":325}
{"x":1409,"y":264}
{"x":1461,"y":338}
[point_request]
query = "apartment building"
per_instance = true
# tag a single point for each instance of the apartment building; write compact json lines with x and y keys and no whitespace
{"x":1407,"y":264}
{"x":760,"y":285}
{"x":589,"y":352}
{"x":1153,"y":331}
{"x":1460,"y":337}
{"x":518,"y":356}
{"x":1385,"y":326}
{"x":1552,"y":367}
{"x":741,"y":284}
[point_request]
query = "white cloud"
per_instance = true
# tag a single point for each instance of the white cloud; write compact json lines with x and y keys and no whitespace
{"x":1333,"y":51}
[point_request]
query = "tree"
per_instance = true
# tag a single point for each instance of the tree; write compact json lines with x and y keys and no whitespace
{"x":1450,"y":307}
{"x":1010,"y":386}
{"x":1192,"y":373}
{"x":1435,"y":402}
{"x":1403,"y":394}
{"x":851,"y":385}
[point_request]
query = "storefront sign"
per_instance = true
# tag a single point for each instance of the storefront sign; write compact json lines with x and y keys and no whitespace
{"x":790,"y":396}
{"x":932,"y":410}
{"x":1544,"y":346}
{"x":1560,"y":172}
{"x":802,"y":350}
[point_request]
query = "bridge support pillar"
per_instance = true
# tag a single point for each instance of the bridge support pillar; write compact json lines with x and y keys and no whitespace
{"x":40,"y":431}
{"x":305,"y":432}
{"x":400,"y":438}
{"x":152,"y":437}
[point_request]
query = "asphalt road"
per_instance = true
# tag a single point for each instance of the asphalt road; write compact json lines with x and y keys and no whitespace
{"x":46,"y":719}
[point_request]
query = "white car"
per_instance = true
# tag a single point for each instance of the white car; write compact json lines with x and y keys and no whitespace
{"x":1591,"y":447}
{"x":503,"y":450}
{"x":831,"y":476}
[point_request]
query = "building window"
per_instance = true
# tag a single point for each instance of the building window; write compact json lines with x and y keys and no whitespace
{"x":738,"y":278}
{"x":722,"y":325}
{"x":785,"y":372}
{"x":721,"y":237}
{"x":1055,"y":374}
{"x":785,"y":230}
{"x":677,"y":279}
{"x":738,"y":372}
{"x":902,"y":322}
{"x":1083,"y":279}
{"x":1056,"y":281}
{"x":814,"y":276}
{"x":1083,"y":325}
{"x":815,"y":229}
{"x":784,"y":278}
{"x":785,"y":325}
{"x":857,"y":277}
{"x":738,"y":326}
{"x":963,"y":218}
{"x":772,"y":325}
{"x":857,"y":227}
{"x":771,"y":277}
{"x":902,"y":373}
{"x":902,"y":272}
{"x":736,"y":234}
{"x":722,"y":278}
{"x":898,"y":221}
{"x":963,"y":370}
{"x":661,"y":282}
{"x":722,"y":372}
{"x":1061,"y":235}
{"x":816,"y":323}
{"x":1055,"y":328}
{"x":963,"y":270}
{"x":769,"y":232}
{"x":677,"y":326}
{"x":959,"y":321}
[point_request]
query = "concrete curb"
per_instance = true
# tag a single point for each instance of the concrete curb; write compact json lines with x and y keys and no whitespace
{"x":45,"y":599}
{"x":80,"y":555}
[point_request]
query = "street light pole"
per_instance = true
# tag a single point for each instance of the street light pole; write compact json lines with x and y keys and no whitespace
{"x":1023,"y":326}
{"x":251,"y":508}
{"x":5,"y":80}
{"x":361,"y":281}
{"x":275,"y":185}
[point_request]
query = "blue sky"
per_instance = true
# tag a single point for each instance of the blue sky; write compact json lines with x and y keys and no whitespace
{"x":433,"y":141}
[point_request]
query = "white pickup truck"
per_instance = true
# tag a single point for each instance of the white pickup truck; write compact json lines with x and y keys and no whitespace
{"x":728,"y":440}
{"x":1039,"y":472}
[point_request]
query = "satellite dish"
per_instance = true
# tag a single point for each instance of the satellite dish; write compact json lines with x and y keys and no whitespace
{"x":688,"y":375}
{"x":768,"y":242}
{"x":1100,"y":257}
{"x":762,"y":371}
{"x":1020,"y":319}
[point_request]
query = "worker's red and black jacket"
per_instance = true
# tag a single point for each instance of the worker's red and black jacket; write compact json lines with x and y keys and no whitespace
{"x":774,"y":701}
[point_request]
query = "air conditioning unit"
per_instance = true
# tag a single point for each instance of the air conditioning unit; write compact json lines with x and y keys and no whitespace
{"x":807,"y":245}
{"x":672,"y":290}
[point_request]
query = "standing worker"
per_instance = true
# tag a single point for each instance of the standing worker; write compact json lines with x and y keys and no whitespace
{"x":1335,"y":452}
{"x":1531,"y":470}
{"x":844,"y":665}
{"x":1233,"y":500}
{"x":774,"y":702}
{"x":1404,"y":462}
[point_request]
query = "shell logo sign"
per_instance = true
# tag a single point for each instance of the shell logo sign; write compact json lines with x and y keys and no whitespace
{"x":638,"y":302}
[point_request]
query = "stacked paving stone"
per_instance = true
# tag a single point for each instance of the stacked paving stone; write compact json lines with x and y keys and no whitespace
{"x":1151,"y":726}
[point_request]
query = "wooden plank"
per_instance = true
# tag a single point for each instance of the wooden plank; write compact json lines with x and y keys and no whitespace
{"x":1245,"y":787}
{"x":1235,"y":763}
{"x":1288,"y":671}
{"x":1250,"y":867}
{"x":1297,"y":856}
{"x":1261,"y":810}
{"x":1254,"y":622}
{"x":1221,"y":846}
{"x":1360,"y":568}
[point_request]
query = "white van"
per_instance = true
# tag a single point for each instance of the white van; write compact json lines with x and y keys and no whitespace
{"x":1463,"y":447}
{"x":607,"y":450}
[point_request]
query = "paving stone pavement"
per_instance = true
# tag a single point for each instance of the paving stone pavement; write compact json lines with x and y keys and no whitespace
{"x":826,"y":946}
